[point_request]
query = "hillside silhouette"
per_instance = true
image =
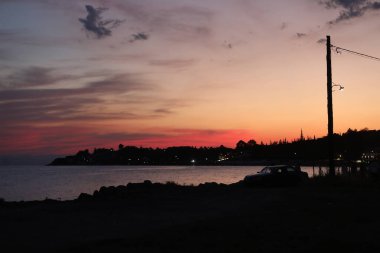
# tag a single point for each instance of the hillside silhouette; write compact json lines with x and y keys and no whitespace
{"x":352,"y":145}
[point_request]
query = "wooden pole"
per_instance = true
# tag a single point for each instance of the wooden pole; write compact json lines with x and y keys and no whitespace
{"x":330,"y":136}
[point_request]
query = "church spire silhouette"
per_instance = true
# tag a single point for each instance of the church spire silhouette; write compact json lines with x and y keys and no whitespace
{"x":302,"y":138}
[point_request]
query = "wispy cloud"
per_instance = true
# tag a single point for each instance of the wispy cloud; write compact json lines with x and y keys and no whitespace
{"x":180,"y":22}
{"x":33,"y":76}
{"x":25,"y":100}
{"x":10,"y":35}
{"x":17,"y":84}
{"x":301,"y":35}
{"x":46,"y":109}
{"x":350,"y":8}
{"x":139,"y":36}
{"x":118,"y":57}
{"x":163,"y":111}
{"x":116,"y":84}
{"x":284,"y":25}
{"x":173,"y":63}
{"x":95,"y":24}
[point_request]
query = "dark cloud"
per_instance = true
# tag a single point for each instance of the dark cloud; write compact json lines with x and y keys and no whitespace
{"x":343,"y":3}
{"x":70,"y":108}
{"x":18,"y":84}
{"x":33,"y":76}
{"x":91,"y":101}
{"x":139,"y":36}
{"x":45,"y":109}
{"x":95,"y":24}
{"x":67,"y":110}
{"x":321,"y":41}
{"x":350,"y":8}
{"x":301,"y":35}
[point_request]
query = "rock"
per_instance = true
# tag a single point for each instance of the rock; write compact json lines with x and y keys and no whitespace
{"x":84,"y":197}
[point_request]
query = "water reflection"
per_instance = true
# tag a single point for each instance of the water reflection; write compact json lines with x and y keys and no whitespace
{"x":67,"y":182}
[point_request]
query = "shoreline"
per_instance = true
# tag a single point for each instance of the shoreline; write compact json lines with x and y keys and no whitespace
{"x":150,"y":217}
{"x":234,"y":163}
{"x":147,"y":186}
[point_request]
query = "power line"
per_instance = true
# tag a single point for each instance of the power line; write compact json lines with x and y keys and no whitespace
{"x":340,"y":49}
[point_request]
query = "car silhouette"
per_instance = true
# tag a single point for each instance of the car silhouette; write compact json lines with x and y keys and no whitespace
{"x":278,"y":175}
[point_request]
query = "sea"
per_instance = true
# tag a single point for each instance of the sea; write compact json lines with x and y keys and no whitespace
{"x":25,"y":183}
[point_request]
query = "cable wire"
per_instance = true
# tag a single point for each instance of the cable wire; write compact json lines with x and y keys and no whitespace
{"x":340,"y":49}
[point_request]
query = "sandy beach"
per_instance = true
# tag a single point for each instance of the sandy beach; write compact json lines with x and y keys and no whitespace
{"x":208,"y":218}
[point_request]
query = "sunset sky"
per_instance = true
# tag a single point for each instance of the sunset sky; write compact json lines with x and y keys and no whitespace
{"x":181,"y":72}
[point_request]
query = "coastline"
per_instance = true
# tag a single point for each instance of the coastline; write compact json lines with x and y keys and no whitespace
{"x":146,"y":217}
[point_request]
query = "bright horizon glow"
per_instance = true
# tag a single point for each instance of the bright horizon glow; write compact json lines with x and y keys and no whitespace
{"x":209,"y":73}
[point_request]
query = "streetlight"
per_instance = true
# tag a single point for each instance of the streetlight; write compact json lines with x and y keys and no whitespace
{"x":340,"y":87}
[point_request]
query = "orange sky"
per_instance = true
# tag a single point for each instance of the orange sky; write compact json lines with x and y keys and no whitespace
{"x":206,"y":73}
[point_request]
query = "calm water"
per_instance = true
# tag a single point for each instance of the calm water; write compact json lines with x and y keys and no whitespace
{"x":61,"y":182}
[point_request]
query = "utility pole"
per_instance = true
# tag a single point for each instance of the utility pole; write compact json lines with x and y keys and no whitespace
{"x":330,"y":136}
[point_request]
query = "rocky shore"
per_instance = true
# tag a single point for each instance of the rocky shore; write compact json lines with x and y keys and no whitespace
{"x":338,"y":215}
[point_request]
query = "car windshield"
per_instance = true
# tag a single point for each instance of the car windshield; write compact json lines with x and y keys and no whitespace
{"x":267,"y":170}
{"x":280,"y":169}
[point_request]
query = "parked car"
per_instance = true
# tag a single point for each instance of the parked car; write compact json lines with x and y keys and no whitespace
{"x":278,"y":175}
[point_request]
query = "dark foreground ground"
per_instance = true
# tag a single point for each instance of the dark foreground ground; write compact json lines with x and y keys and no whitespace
{"x":317,"y":217}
